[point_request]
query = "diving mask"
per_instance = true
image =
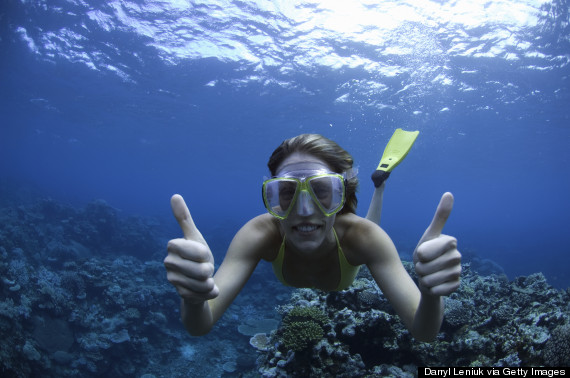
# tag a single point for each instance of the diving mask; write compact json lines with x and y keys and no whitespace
{"x":326,"y":189}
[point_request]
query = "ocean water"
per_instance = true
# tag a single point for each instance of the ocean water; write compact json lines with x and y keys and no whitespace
{"x":133,"y":101}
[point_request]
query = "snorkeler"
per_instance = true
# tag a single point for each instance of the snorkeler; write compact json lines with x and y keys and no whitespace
{"x":314,"y":239}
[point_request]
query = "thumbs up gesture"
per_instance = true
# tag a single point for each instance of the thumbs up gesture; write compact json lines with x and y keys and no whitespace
{"x":436,"y":258}
{"x":189,"y":263}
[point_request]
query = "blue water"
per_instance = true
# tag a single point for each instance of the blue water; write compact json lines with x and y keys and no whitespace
{"x":132,"y":102}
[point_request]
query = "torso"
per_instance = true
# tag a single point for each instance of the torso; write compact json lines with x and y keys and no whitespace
{"x":324,"y":272}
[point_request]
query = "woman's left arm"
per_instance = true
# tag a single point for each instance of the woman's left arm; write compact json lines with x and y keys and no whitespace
{"x":437,"y":263}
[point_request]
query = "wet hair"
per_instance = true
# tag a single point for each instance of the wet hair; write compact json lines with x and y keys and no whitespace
{"x":324,"y":149}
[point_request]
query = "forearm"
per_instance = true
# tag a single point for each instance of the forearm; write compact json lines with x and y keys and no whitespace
{"x":197,"y":318}
{"x":428,"y":318}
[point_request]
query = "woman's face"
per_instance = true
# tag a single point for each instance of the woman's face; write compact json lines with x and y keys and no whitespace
{"x":306,"y":227}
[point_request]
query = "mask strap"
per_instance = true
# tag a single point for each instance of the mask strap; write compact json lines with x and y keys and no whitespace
{"x":350,"y":173}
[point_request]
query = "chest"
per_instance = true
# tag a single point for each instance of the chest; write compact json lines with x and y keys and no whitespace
{"x":323,"y":273}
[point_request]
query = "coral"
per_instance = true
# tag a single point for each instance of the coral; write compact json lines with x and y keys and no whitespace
{"x":312,"y":314}
{"x":131,"y":313}
{"x":120,"y":337}
{"x":489,"y":321}
{"x":52,"y":334}
{"x":30,"y":352}
{"x":229,"y":367}
{"x":303,"y":327}
{"x":187,"y":351}
{"x":59,"y":232}
{"x":297,"y":336}
{"x":557,"y":349}
{"x":369,"y":299}
{"x":56,"y":280}
{"x":457,"y":313}
{"x":259,"y":341}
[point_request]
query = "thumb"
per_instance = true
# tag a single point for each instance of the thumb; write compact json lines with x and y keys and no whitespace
{"x":439,"y":219}
{"x":182,"y":215}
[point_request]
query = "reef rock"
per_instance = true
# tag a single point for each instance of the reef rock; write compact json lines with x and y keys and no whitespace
{"x":489,"y":321}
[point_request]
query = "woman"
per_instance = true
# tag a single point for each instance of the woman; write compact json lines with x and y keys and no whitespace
{"x":314,"y":239}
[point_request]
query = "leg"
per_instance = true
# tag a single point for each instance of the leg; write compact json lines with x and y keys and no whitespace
{"x":396,"y":150}
{"x":375,"y":209}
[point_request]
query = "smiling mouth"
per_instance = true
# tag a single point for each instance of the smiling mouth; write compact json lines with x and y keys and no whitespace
{"x":306,"y":228}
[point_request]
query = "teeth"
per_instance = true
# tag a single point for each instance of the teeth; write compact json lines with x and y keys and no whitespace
{"x":307,"y":228}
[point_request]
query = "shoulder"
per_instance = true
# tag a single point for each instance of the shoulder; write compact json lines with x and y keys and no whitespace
{"x":263,"y":229}
{"x":259,"y":237}
{"x":363,"y":242}
{"x":355,"y":230}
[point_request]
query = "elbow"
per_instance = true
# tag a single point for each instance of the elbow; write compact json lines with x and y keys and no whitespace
{"x":427,"y":320}
{"x":425,"y":338}
{"x":425,"y":333}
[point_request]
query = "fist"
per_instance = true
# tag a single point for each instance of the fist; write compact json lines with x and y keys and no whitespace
{"x":436,"y":259}
{"x":189,"y":263}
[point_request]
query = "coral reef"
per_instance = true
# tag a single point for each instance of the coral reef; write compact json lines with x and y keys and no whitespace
{"x":489,"y":321}
{"x":84,"y":293}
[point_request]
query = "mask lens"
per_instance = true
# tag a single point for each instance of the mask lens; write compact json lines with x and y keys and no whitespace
{"x":278,"y":195}
{"x":328,"y":190}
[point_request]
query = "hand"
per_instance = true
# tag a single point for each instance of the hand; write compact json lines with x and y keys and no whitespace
{"x":189,"y":263}
{"x":436,"y":258}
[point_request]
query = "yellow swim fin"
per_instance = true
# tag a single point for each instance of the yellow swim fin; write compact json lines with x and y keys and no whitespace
{"x":396,"y":150}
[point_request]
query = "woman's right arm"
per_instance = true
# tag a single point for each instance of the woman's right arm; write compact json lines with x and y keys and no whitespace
{"x":190,"y":265}
{"x":242,"y":257}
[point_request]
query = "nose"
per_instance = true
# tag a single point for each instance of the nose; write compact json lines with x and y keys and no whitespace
{"x":305,"y":205}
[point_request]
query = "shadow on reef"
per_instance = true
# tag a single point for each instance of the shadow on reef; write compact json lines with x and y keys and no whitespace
{"x":489,"y":321}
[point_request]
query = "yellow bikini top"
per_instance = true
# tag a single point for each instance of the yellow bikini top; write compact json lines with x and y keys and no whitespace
{"x":347,"y":272}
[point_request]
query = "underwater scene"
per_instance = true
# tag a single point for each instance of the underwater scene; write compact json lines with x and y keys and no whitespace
{"x":109,"y":108}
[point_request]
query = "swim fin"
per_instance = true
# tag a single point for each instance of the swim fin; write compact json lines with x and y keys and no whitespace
{"x":396,"y":150}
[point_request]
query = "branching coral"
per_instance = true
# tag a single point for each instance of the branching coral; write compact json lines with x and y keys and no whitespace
{"x":298,"y":336}
{"x":303,"y":327}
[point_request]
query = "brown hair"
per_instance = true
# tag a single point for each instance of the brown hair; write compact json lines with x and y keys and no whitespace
{"x":322,"y":148}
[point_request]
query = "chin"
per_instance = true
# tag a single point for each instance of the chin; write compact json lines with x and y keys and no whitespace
{"x":307,"y":241}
